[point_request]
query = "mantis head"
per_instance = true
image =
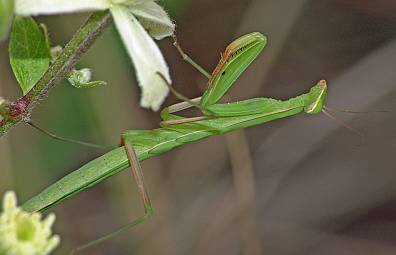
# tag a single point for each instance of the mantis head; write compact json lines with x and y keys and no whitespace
{"x":315,"y":98}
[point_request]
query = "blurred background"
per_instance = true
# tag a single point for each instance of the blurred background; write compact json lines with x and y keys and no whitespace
{"x":302,"y":185}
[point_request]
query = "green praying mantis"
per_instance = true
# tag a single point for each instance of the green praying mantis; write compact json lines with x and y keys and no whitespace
{"x":217,"y":119}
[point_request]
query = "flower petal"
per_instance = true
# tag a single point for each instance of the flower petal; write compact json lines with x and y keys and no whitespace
{"x":10,"y":201}
{"x":146,"y":57}
{"x":36,"y":7}
{"x":153,"y":18}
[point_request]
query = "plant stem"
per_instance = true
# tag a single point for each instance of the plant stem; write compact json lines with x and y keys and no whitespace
{"x":20,"y":110}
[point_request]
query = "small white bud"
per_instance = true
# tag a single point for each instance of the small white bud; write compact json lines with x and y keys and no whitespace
{"x":55,"y":52}
{"x":79,"y":77}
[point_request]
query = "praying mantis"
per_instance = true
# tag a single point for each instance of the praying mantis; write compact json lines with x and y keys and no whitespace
{"x":217,"y":119}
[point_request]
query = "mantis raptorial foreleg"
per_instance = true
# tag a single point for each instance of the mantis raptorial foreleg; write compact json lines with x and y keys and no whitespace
{"x":235,"y":59}
{"x":143,"y":193}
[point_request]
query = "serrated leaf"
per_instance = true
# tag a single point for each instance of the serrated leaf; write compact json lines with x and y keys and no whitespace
{"x":29,"y":52}
{"x":6,"y":15}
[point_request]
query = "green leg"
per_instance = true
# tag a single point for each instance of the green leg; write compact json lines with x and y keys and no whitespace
{"x":148,"y":210}
{"x":68,"y":140}
{"x":182,"y":105}
{"x":177,"y":94}
{"x":188,"y":103}
{"x":186,"y":58}
{"x":184,"y":120}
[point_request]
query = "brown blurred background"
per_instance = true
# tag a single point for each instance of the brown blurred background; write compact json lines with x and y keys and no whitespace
{"x":303,"y":185}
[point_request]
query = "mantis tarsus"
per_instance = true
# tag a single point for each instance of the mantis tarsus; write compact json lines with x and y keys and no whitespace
{"x":176,"y":130}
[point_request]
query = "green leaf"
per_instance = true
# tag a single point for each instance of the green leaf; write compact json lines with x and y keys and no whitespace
{"x":6,"y":15}
{"x":29,"y":52}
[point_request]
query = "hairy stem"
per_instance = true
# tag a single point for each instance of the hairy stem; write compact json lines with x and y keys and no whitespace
{"x":20,"y":110}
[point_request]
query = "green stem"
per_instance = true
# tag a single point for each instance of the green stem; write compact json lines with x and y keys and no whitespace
{"x":20,"y":110}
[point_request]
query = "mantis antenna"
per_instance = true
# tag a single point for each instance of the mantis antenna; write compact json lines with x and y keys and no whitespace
{"x":326,"y":111}
{"x":351,"y":111}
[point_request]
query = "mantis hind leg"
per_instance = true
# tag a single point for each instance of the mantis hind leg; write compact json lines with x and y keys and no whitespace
{"x":148,"y":210}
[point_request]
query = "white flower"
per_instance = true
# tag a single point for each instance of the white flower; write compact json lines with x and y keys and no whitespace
{"x":132,"y":18}
{"x":22,"y":233}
